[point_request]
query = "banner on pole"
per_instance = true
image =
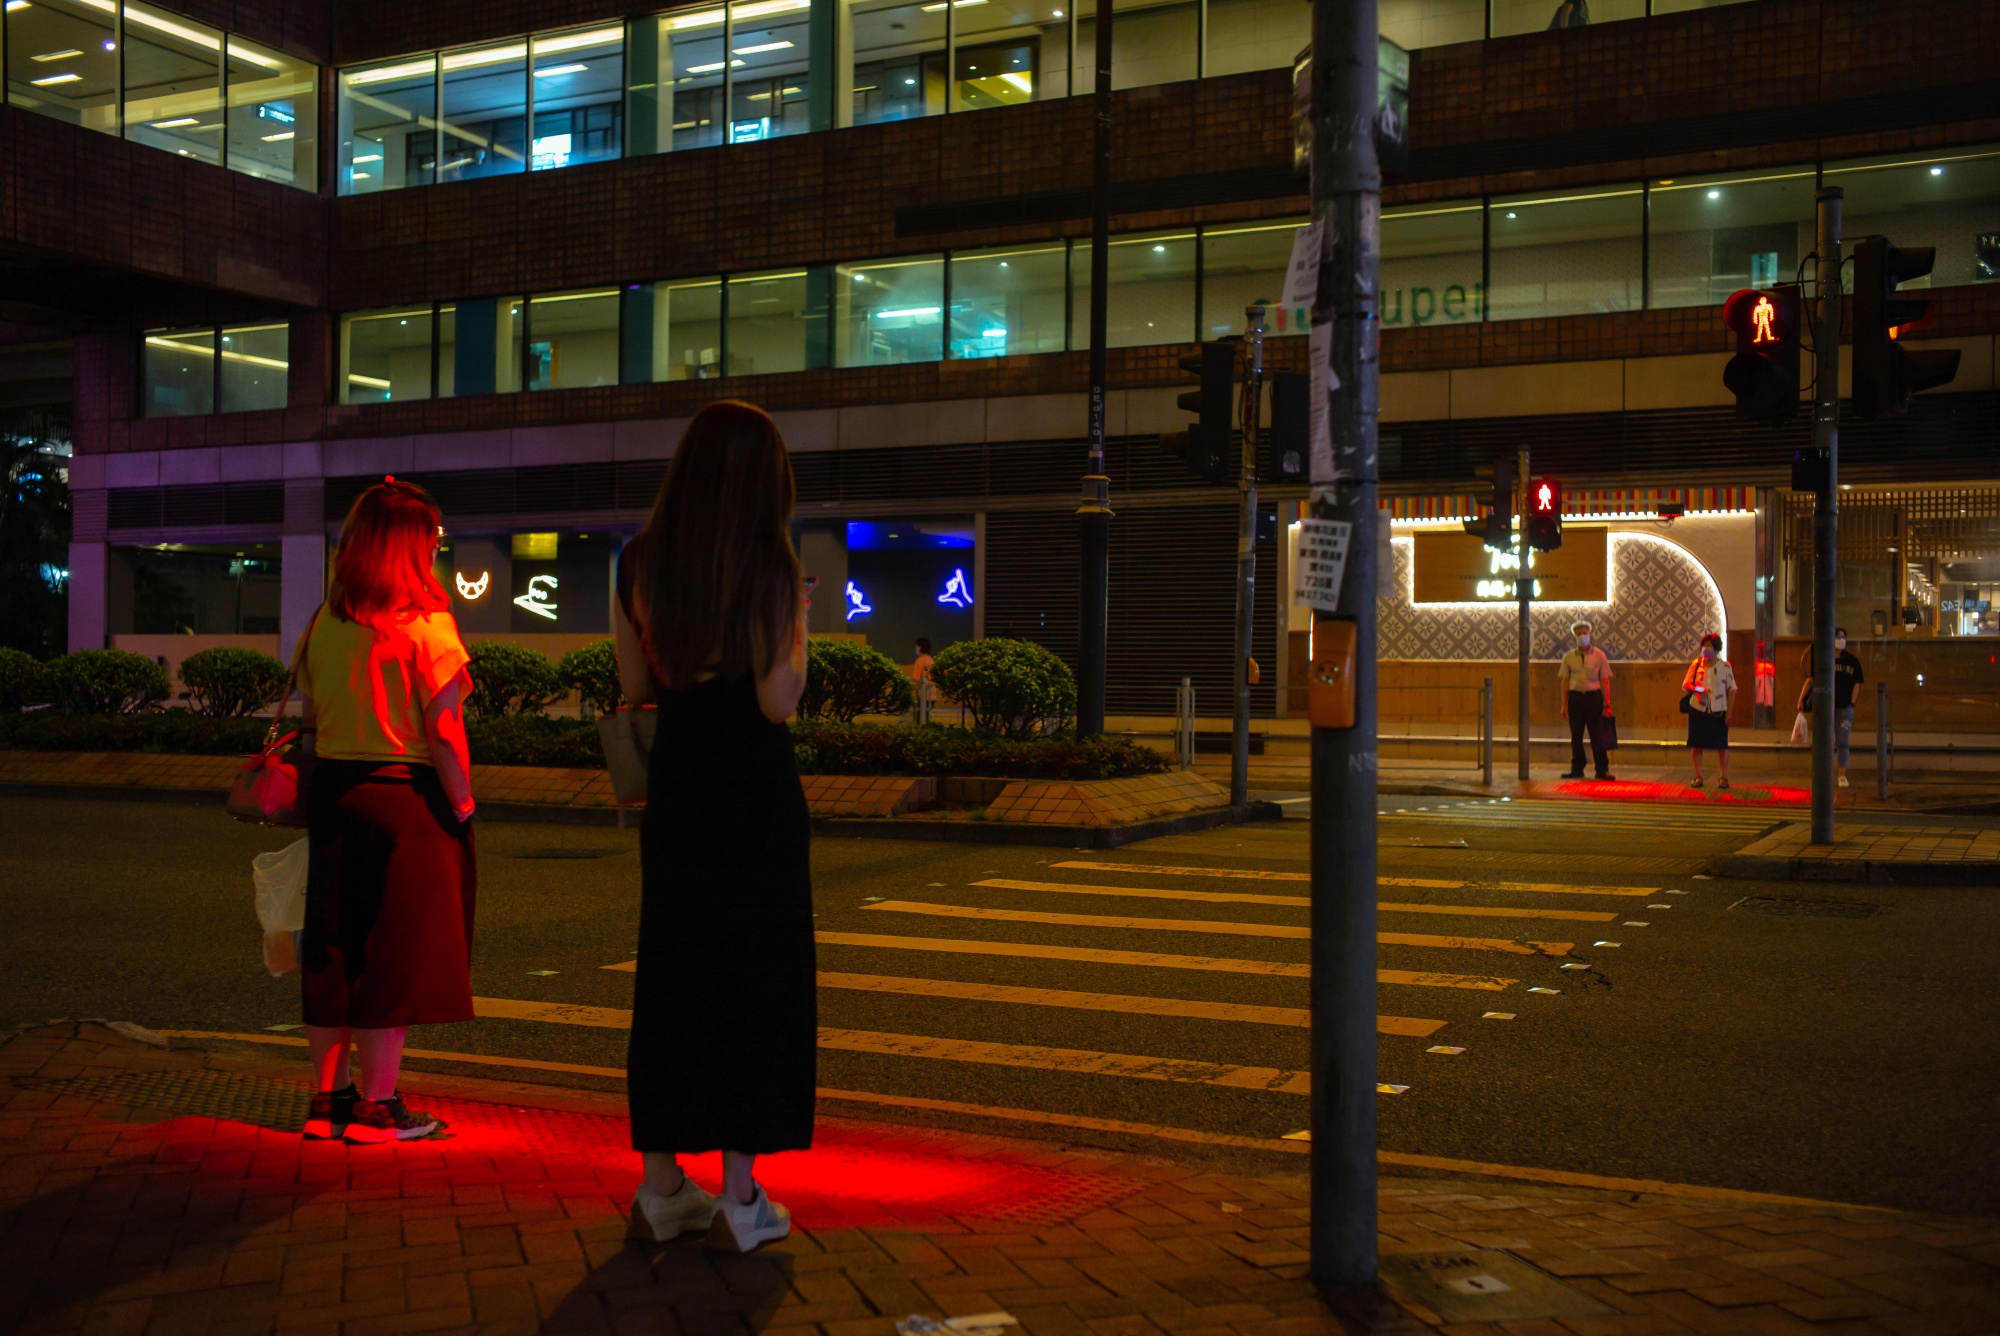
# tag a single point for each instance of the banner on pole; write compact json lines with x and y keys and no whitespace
{"x":1302,"y":274}
{"x":1321,"y":564}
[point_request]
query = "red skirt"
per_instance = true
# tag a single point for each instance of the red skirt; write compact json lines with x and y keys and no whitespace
{"x":389,"y":899}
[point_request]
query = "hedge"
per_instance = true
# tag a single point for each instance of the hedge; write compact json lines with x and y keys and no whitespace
{"x":226,"y":682}
{"x":937,"y":749}
{"x":845,"y":678}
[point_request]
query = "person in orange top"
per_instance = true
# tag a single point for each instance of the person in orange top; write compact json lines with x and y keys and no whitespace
{"x":1707,"y":692}
{"x":391,"y":887}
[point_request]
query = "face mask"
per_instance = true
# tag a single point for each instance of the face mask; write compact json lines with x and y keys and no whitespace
{"x":1708,"y":652}
{"x":1583,"y":641}
{"x":1840,"y":642}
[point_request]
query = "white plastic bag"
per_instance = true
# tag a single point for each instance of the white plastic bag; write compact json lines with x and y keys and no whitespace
{"x":1799,"y":737}
{"x":281,"y":903}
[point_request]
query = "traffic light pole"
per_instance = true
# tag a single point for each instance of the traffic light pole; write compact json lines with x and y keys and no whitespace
{"x":1524,"y":593}
{"x":1246,"y":562}
{"x":1346,"y":332}
{"x":1094,"y":510}
{"x":1826,"y":506}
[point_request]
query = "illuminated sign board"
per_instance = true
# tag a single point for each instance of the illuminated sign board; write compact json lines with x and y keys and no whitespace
{"x":857,"y":603}
{"x":1460,"y":568}
{"x":957,"y":592}
{"x":539,"y":598}
{"x":473,"y":590}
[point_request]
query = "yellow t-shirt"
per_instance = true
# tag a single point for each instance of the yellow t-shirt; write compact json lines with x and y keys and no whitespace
{"x":370,"y":687}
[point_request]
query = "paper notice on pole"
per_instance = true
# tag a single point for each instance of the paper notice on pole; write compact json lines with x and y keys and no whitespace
{"x":1319,"y":353}
{"x":1322,"y":561}
{"x":1302,"y":274}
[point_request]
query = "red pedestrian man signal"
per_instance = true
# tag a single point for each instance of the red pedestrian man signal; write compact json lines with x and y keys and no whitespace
{"x":1545,"y":498}
{"x":1764,"y":374}
{"x":1545,"y":514}
{"x":1761,"y":317}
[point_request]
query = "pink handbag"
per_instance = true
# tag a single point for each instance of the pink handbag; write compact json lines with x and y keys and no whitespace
{"x":269,"y":787}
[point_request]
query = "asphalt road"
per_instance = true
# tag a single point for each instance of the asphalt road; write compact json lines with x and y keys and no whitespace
{"x":1846,"y":1058}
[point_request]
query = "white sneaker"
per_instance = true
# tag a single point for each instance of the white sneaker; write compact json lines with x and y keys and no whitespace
{"x":1843,"y":781}
{"x":748,"y":1226}
{"x":663,"y":1218}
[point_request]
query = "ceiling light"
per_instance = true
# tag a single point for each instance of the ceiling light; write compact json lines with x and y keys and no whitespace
{"x":1020,"y":81}
{"x":1937,"y":171}
{"x":1057,"y":12}
{"x":761,"y":47}
{"x":56,"y":79}
{"x":272,"y":139}
{"x":1159,"y":250}
{"x":13,"y":5}
{"x":577,"y":67}
{"x":908,"y":311}
{"x":701,"y":18}
{"x":408,"y":69}
{"x":1715,"y":194}
{"x":1512,"y":214}
{"x":758,"y":9}
{"x":47,"y":56}
{"x":570,"y":41}
{"x":955,"y":4}
{"x":178,"y":120}
{"x":369,"y":157}
{"x":492,"y":55}
{"x":710,"y":69}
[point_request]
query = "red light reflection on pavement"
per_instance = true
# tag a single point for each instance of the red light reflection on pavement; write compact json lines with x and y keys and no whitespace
{"x":1655,"y":791}
{"x":855,"y":1176}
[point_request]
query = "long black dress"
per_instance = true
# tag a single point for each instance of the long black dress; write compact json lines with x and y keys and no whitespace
{"x":724,"y":1050}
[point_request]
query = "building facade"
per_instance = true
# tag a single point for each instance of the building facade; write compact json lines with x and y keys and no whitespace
{"x":508,"y":250}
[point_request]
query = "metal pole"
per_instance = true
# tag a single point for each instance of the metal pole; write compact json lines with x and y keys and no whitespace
{"x":1094,"y":510}
{"x":1486,"y":732}
{"x":1246,"y":561}
{"x":1347,"y":208}
{"x":1524,"y":589}
{"x":1826,"y":507}
{"x":1882,"y":742}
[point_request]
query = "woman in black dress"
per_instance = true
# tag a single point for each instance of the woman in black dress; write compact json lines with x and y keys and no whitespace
{"x":711,"y":628}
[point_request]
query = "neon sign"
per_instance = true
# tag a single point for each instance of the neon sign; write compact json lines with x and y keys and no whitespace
{"x":857,"y":603}
{"x":537,"y":599}
{"x":957,"y":593}
{"x":472,"y":590}
{"x":1761,"y":316}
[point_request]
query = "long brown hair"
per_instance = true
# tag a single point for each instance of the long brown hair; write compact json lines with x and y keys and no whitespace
{"x":382,"y":570}
{"x":718,"y":579}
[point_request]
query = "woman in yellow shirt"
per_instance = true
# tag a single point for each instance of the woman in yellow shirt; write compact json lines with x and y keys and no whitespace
{"x":390,"y":894}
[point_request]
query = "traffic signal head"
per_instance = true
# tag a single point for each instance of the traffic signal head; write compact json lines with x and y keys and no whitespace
{"x":1545,"y":514}
{"x":1764,"y":374}
{"x":1288,"y":440}
{"x":1886,"y":374}
{"x":1204,"y":446}
{"x":1497,"y":528}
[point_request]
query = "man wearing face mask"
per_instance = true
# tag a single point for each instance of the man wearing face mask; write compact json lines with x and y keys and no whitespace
{"x":1846,"y":677}
{"x":1586,"y":686}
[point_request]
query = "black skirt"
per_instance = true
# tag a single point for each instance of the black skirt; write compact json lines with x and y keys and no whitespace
{"x":1709,"y":732}
{"x":725,"y":1029}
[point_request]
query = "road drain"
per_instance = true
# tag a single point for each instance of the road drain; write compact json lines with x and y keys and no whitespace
{"x":1787,"y":906}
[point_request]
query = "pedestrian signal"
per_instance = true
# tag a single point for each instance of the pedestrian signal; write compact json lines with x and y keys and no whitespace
{"x":1545,"y":514}
{"x":1764,"y":374}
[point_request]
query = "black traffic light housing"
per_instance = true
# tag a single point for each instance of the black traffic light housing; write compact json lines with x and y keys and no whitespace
{"x":1498,"y":527}
{"x":1764,"y":374}
{"x":1886,"y":374}
{"x":1288,"y":440}
{"x":1545,"y":514}
{"x":1204,"y":446}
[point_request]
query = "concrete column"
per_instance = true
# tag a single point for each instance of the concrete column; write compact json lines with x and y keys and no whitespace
{"x":823,"y":553}
{"x":302,"y":560}
{"x":87,"y":624}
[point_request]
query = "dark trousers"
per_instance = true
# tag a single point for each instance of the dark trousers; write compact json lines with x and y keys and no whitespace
{"x":1586,"y":711}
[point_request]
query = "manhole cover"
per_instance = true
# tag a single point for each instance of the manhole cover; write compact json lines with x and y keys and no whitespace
{"x":1788,"y":906}
{"x":568,"y":853}
{"x":1483,"y":1285}
{"x":193,"y":1090}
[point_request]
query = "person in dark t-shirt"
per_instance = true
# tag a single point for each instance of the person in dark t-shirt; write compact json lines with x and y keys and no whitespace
{"x":1847,"y":676}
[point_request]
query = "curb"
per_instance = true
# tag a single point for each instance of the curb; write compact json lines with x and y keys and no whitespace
{"x":1858,"y":870}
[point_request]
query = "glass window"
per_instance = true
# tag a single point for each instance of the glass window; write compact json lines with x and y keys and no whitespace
{"x":897,"y":67}
{"x":1414,"y":23}
{"x":1008,"y":300}
{"x":479,"y":347}
{"x":1151,"y":290}
{"x":1431,"y":266}
{"x":173,"y":84}
{"x":889,"y":311}
{"x":1710,"y":235}
{"x":675,"y":76}
{"x":273,"y":115}
{"x":1949,"y":200}
{"x":484,"y":111}
{"x":777,"y":321}
{"x":385,"y":356}
{"x":1676,"y":6}
{"x":1260,"y":34}
{"x":676,"y":331}
{"x":1512,"y":17}
{"x":1565,"y":254}
{"x":1007,"y":54}
{"x":1245,"y":266}
{"x":770,"y":43}
{"x":573,"y":339}
{"x":62,"y":61}
{"x":388,"y":126}
{"x":179,"y":372}
{"x":1152,"y":42}
{"x":256,"y":367}
{"x":579,"y":97}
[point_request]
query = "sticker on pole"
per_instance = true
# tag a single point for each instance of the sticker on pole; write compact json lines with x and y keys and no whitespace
{"x":1322,"y":561}
{"x":1319,"y":422}
{"x":1302,"y":274}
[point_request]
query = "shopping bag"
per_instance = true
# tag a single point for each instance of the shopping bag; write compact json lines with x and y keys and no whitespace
{"x":1609,"y":726}
{"x":626,"y":734}
{"x":280,"y":878}
{"x":1799,"y":730}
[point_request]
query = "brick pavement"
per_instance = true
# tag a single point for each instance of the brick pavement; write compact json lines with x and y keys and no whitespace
{"x":152,"y":1191}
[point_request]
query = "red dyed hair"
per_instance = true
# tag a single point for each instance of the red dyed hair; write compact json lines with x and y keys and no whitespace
{"x":382,"y":570}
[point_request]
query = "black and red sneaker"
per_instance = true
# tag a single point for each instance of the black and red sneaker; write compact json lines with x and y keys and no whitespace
{"x":378,"y":1120}
{"x":332,"y":1111}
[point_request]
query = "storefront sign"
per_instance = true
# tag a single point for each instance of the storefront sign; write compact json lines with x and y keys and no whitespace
{"x":472,"y":590}
{"x":857,"y":602}
{"x":540,"y":597}
{"x":957,"y":592}
{"x":1460,"y":568}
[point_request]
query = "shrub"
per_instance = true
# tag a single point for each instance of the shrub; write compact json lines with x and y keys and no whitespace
{"x":22,"y":681}
{"x":511,"y":679}
{"x":905,"y":749}
{"x":1012,"y":688}
{"x":592,"y":672}
{"x":172,"y":731}
{"x":224,"y":683}
{"x":845,"y":678}
{"x":105,"y":681}
{"x":526,"y":739}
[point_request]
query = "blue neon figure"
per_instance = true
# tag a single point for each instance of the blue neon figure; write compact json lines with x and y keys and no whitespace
{"x":856,"y":605}
{"x":957,"y":592}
